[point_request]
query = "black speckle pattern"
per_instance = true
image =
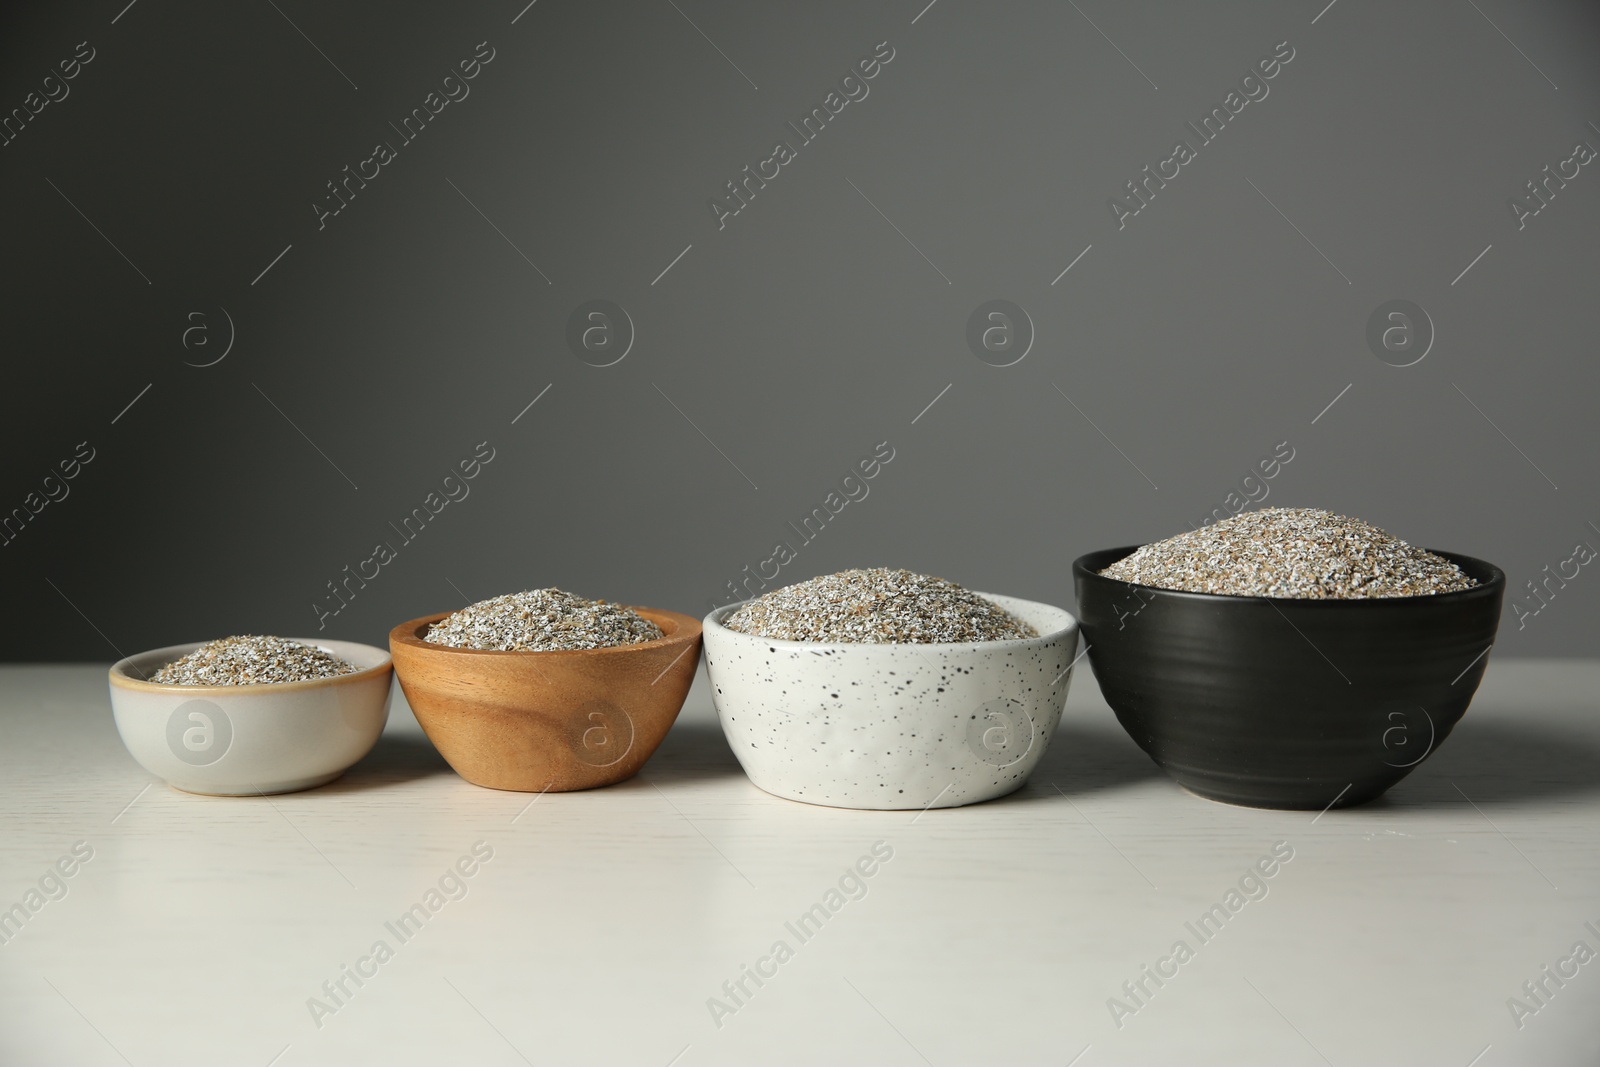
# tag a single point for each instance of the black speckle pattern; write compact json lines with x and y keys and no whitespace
{"x":888,"y":726}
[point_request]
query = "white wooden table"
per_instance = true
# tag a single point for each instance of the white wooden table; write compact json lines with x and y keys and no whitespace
{"x":601,"y":925}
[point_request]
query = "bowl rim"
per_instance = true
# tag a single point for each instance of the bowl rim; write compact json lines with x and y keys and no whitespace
{"x":713,"y":622}
{"x":121,"y":676}
{"x":686,"y":629}
{"x":1486,"y":587}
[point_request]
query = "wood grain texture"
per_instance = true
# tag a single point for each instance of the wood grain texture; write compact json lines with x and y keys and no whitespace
{"x":605,"y":920}
{"x":548,"y":721}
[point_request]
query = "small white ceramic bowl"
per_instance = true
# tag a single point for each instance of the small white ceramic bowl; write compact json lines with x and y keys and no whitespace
{"x":892,"y":726}
{"x":245,"y":740}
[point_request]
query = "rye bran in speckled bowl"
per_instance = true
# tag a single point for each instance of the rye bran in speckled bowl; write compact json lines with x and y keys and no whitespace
{"x":892,"y":725}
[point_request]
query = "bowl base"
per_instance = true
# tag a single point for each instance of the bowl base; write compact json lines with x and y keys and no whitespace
{"x":549,"y":785}
{"x":292,"y":785}
{"x":1352,"y":797}
{"x":945,"y":799}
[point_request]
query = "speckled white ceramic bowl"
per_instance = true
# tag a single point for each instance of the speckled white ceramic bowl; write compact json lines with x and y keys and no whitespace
{"x":244,"y":740}
{"x":892,"y":726}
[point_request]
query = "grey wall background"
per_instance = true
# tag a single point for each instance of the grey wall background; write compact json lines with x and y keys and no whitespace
{"x":378,"y":351}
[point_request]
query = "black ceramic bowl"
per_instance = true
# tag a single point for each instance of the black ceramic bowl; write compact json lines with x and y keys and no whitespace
{"x":1278,"y":703}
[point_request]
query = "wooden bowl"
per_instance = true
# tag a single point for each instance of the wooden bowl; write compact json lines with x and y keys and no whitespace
{"x":548,"y":721}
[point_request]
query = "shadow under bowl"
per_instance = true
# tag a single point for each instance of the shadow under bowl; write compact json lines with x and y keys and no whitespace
{"x":892,"y":726}
{"x":246,"y":740}
{"x":1284,"y":703}
{"x":548,"y":721}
